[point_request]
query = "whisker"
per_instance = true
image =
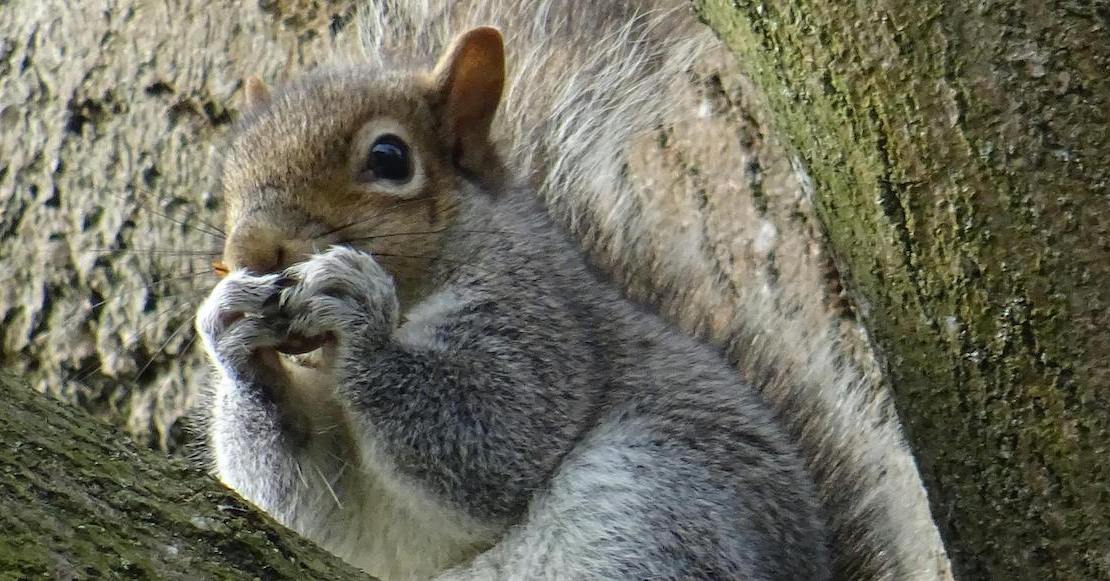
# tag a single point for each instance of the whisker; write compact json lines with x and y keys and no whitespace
{"x":88,"y":312}
{"x":421,"y":233}
{"x":342,"y":461}
{"x":189,"y":344}
{"x":300,"y":472}
{"x":191,"y":213}
{"x":379,"y":216}
{"x":186,"y":276}
{"x":150,"y":361}
{"x":327,"y":485}
{"x":130,"y":340}
{"x":215,"y":233}
{"x":133,"y":250}
{"x":458,"y":264}
{"x":416,"y":256}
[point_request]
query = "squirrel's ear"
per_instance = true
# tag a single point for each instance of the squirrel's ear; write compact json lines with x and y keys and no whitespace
{"x":468,"y":83}
{"x":257,"y":93}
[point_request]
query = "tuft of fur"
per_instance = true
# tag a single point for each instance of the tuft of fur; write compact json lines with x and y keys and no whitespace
{"x":586,"y":81}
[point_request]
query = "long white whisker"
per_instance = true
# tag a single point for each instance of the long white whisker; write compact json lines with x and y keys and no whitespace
{"x":327,"y":485}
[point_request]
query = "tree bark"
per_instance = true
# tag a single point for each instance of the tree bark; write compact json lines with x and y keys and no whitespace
{"x":79,"y":501}
{"x":960,"y":161}
{"x":109,"y":111}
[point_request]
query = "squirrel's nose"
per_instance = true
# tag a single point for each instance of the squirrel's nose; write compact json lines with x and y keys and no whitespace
{"x":258,"y":260}
{"x":260,"y":250}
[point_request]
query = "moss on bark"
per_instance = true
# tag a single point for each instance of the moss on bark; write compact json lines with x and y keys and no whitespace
{"x":79,"y":501}
{"x":960,"y":158}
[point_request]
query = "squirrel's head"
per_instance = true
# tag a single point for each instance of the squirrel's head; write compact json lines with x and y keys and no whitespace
{"x":369,"y":160}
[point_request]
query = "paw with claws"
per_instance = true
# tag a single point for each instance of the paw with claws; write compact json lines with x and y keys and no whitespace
{"x":341,"y":297}
{"x":236,"y":325}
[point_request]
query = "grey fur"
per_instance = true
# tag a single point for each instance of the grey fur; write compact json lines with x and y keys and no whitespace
{"x":590,"y":439}
{"x":522,"y":411}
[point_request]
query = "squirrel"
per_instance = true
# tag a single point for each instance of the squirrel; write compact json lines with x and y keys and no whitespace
{"x":497,"y":411}
{"x":416,"y":366}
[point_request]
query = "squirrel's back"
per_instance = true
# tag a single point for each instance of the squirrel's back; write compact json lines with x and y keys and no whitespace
{"x":587,"y":80}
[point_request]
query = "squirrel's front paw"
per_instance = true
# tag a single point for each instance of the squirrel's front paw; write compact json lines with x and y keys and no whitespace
{"x":234,"y":325}
{"x":342,"y":293}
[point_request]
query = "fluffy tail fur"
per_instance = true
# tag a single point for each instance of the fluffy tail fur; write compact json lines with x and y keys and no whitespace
{"x":588,"y":80}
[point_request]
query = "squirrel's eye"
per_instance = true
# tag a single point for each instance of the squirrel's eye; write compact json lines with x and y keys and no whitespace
{"x":389,"y":159}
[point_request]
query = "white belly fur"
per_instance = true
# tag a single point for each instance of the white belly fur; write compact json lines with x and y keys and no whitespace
{"x":394,"y":536}
{"x":366,"y":512}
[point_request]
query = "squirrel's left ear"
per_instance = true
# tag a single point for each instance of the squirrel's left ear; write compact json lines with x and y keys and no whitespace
{"x":468,"y":83}
{"x":256,"y":92}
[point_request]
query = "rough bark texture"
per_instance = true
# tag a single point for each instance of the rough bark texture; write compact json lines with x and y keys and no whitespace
{"x":108,"y":113}
{"x":78,"y":501}
{"x":960,"y":158}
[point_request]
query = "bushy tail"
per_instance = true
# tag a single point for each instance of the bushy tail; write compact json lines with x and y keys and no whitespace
{"x":587,"y":80}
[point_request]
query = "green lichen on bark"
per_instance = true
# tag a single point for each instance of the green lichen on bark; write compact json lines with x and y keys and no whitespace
{"x":79,"y":501}
{"x":960,"y":157}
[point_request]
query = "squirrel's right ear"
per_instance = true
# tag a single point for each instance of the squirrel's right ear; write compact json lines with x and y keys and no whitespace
{"x":257,"y":93}
{"x":468,"y":83}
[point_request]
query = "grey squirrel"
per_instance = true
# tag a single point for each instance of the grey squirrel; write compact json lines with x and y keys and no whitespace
{"x":419,"y":371}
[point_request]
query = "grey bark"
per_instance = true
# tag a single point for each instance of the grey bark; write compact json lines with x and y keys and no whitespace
{"x":960,"y":156}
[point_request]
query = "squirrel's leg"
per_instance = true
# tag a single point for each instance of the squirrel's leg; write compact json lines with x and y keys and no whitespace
{"x":622,"y":507}
{"x":260,"y":447}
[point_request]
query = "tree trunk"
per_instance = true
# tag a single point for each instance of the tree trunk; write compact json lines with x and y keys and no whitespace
{"x":78,"y":501}
{"x":960,"y":159}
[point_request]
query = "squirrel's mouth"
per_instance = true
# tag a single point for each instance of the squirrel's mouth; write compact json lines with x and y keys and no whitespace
{"x":304,"y":351}
{"x":297,"y":344}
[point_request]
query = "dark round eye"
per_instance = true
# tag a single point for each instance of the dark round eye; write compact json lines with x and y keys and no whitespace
{"x":389,"y":159}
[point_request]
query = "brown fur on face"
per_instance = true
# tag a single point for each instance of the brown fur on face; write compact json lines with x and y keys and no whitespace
{"x":290,"y":177}
{"x":294,"y":178}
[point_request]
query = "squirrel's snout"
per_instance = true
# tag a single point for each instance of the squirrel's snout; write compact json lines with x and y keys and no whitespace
{"x":257,"y":258}
{"x":262,"y":250}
